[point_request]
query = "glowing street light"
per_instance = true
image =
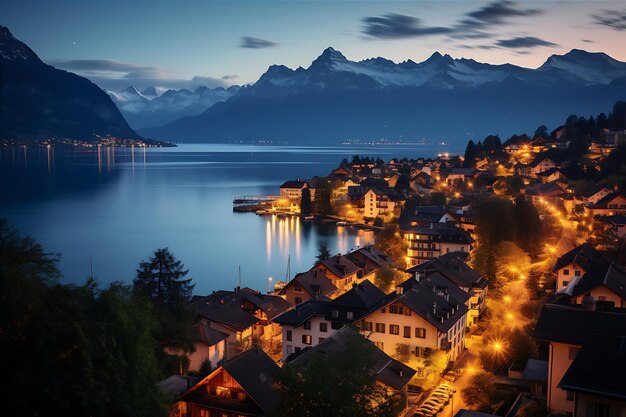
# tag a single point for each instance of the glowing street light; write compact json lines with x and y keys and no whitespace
{"x":269,"y":284}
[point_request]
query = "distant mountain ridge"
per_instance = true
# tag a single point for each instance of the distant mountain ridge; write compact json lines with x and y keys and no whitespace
{"x":335,"y":99}
{"x":148,"y":109}
{"x":39,"y":101}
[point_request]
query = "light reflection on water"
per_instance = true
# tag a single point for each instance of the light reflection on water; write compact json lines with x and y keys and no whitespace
{"x":118,"y":205}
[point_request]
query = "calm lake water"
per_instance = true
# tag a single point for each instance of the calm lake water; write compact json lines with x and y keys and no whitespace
{"x":117,"y":205}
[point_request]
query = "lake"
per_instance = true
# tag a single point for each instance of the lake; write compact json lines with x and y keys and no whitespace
{"x":110,"y":208}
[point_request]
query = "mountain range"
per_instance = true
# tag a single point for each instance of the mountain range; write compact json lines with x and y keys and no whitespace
{"x":38,"y":101}
{"x":441,"y":98}
{"x":147,"y":109}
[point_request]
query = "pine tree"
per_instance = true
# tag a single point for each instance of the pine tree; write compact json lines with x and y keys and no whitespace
{"x":305,"y":202}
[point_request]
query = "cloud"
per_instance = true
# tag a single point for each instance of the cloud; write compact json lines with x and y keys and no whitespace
{"x":523,"y":42}
{"x":612,"y":19}
{"x":396,"y":26}
{"x":117,"y":75}
{"x":473,"y":25}
{"x":256,"y":43}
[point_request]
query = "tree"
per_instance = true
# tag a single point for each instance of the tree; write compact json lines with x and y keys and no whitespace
{"x":542,"y":131}
{"x":323,"y":197}
{"x":437,"y":198}
{"x":533,"y":409}
{"x":471,"y":152}
{"x":336,"y":383}
{"x":387,"y":278}
{"x":480,"y":389}
{"x":529,"y":229}
{"x":323,"y":252}
{"x":305,"y":202}
{"x":389,"y":241}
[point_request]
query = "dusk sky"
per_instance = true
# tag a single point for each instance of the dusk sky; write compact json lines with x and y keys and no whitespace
{"x":176,"y":44}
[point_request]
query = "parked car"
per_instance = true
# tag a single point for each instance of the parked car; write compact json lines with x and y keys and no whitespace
{"x":423,"y":412}
{"x":429,"y":410}
{"x":442,"y":396}
{"x":452,"y":375}
{"x":447,"y":386}
{"x":435,"y":404}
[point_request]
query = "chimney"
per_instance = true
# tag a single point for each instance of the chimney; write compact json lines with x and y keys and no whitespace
{"x":446,"y":295}
{"x":447,"y":315}
{"x":399,"y":290}
{"x":418,"y":276}
{"x":434,"y":308}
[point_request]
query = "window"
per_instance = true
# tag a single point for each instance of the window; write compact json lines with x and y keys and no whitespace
{"x":307,"y":325}
{"x":306,"y":339}
{"x":289,"y":349}
{"x":569,"y":395}
{"x":565,"y":283}
{"x":419,"y":352}
{"x":602,"y":410}
{"x":322,"y":339}
{"x":297,"y":287}
{"x":407,"y":332}
{"x":336,"y":325}
{"x":350,"y":315}
{"x":566,"y":272}
{"x":366,"y":326}
{"x":289,"y":335}
{"x":420,"y":332}
{"x":573,"y":351}
{"x":323,"y":327}
{"x":380,"y":327}
{"x":577,"y":273}
{"x":394,"y":329}
{"x":298,"y":300}
{"x":335,"y":314}
{"x":380,"y":345}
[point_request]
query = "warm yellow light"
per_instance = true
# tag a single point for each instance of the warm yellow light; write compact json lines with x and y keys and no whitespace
{"x":509,"y":316}
{"x":507,"y":298}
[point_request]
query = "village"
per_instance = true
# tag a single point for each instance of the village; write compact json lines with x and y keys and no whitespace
{"x":496,"y":286}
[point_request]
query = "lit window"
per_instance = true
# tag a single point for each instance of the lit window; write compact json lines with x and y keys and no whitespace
{"x":380,"y":327}
{"x":420,"y":332}
{"x":306,"y":339}
{"x":394,"y":329}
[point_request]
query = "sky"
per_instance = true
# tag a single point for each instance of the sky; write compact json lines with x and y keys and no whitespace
{"x":185,"y":44}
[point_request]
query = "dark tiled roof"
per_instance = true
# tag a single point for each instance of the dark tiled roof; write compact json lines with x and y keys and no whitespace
{"x":313,"y":282}
{"x":614,"y":279}
{"x":536,"y":370}
{"x":228,"y":315}
{"x":585,"y":256}
{"x":604,"y":201}
{"x":361,"y":296}
{"x":210,"y":336}
{"x":443,"y":232}
{"x":577,"y":326}
{"x":452,"y":265}
{"x":618,"y":220}
{"x":439,"y":284}
{"x":255,"y":372}
{"x":271,"y":305}
{"x":302,"y":312}
{"x":294,"y":184}
{"x":372,"y":253}
{"x":548,"y":172}
{"x":340,"y":266}
{"x":385,"y":369}
{"x":599,"y":369}
{"x":591,"y":191}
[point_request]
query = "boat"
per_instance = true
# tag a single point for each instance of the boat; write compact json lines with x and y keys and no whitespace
{"x":261,"y":212}
{"x":342,"y":223}
{"x":309,"y":218}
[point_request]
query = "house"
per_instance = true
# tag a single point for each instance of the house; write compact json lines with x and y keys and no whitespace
{"x":422,"y":182}
{"x":428,"y":242}
{"x":211,"y":347}
{"x":354,"y":304}
{"x":372,"y":202}
{"x":242,"y":386}
{"x":341,"y":271}
{"x":387,"y":372}
{"x":586,"y":360}
{"x":576,"y":263}
{"x":425,"y":215}
{"x":536,"y":167}
{"x":292,"y":190}
{"x":536,"y":373}
{"x":618,"y":225}
{"x":601,"y":285}
{"x":307,"y":285}
{"x":460,"y":175}
{"x":614,"y":137}
{"x":370,"y":259}
{"x":552,"y":174}
{"x":539,"y":194}
{"x":421,"y":317}
{"x":454,"y":268}
{"x":304,"y":325}
{"x":594,"y":194}
{"x":610,"y":205}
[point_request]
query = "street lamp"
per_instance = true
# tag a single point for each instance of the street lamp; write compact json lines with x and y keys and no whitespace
{"x":269,"y":283}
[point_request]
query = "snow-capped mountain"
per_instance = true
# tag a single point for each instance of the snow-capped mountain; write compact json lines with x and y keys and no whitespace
{"x":40,"y":101}
{"x":147,"y":108}
{"x":336,"y":99}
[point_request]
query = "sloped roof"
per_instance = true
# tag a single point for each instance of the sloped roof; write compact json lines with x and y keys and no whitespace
{"x":585,"y":256}
{"x":452,"y":265}
{"x":442,"y":232}
{"x":255,"y":372}
{"x":361,"y":296}
{"x":271,"y":305}
{"x":226,"y":314}
{"x":340,"y":265}
{"x":313,"y":282}
{"x":294,"y":184}
{"x":385,"y":369}
{"x":439,"y":284}
{"x":604,"y":201}
{"x":374,"y":254}
{"x":594,"y":189}
{"x":536,"y":370}
{"x":614,"y":279}
{"x":302,"y":312}
{"x":210,"y":336}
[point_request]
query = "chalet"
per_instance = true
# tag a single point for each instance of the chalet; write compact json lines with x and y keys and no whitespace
{"x":610,"y":205}
{"x":354,"y":304}
{"x":605,"y":285}
{"x":453,"y":267}
{"x":586,"y":360}
{"x":306,"y":285}
{"x":372,"y":202}
{"x":536,"y":167}
{"x":292,"y":190}
{"x":614,"y":137}
{"x":304,"y":325}
{"x":425,"y":215}
{"x":576,"y":263}
{"x":341,"y":271}
{"x":370,"y":259}
{"x":422,"y":317}
{"x":538,"y":194}
{"x":460,"y":174}
{"x":388,"y":372}
{"x":594,"y":194}
{"x":618,"y":226}
{"x":242,"y":386}
{"x":422,"y":182}
{"x":552,"y":174}
{"x":433,"y":240}
{"x":211,"y":346}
